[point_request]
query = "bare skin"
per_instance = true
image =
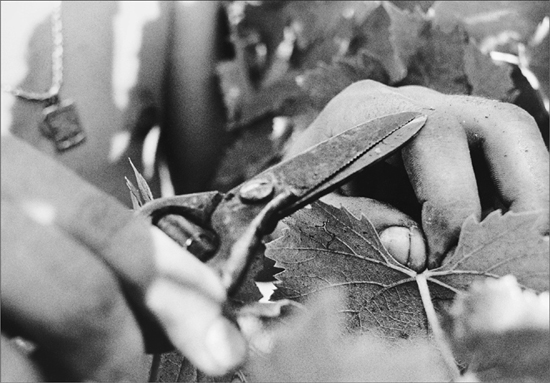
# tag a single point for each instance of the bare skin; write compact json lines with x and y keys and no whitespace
{"x":65,"y":294}
{"x":438,"y":160}
{"x":69,"y":299}
{"x":86,"y":267}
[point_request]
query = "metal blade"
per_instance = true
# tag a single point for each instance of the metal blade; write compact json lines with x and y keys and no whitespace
{"x":252,"y":209}
{"x":329,"y":164}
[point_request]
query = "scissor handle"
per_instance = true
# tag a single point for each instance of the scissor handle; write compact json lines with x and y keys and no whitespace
{"x":187,"y":220}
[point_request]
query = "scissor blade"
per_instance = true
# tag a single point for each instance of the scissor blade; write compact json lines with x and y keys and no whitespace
{"x":284,"y":188}
{"x":331,"y":163}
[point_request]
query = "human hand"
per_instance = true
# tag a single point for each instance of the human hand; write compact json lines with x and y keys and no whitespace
{"x":438,"y":164}
{"x":81,"y":273}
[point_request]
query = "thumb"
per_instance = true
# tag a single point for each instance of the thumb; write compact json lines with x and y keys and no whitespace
{"x":398,"y":232}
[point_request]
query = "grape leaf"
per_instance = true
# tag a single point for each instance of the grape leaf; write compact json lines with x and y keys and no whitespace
{"x":326,"y":81}
{"x":439,"y":62}
{"x":409,"y":50}
{"x":517,"y":20}
{"x":500,"y":245}
{"x":319,"y":33}
{"x":328,"y":248}
{"x":375,"y":38}
{"x":381,"y":50}
{"x":245,"y":104}
{"x":406,"y":31}
{"x":392,"y":36}
{"x":249,"y":153}
{"x":320,"y":29}
{"x":486,"y":78}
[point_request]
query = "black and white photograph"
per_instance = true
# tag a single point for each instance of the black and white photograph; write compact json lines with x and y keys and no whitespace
{"x":275,"y":191}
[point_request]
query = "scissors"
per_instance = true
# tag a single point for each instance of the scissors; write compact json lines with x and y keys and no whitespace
{"x":225,"y":229}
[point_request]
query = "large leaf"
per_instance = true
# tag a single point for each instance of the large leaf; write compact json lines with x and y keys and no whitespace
{"x":381,"y":49}
{"x":395,"y":46}
{"x":393,"y":36}
{"x":325,"y":81}
{"x":439,"y":62}
{"x":328,"y":248}
{"x":500,"y":245}
{"x":486,"y":78}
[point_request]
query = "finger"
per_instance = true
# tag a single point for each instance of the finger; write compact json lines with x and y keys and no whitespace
{"x":66,"y":301}
{"x":398,"y":232}
{"x":197,"y":327}
{"x":511,"y":142}
{"x":358,"y":103}
{"x":52,"y":194}
{"x":179,"y":265}
{"x":440,"y":170}
{"x":187,"y":299}
{"x":56,"y":195}
{"x":136,"y":251}
{"x":15,"y":366}
{"x":513,"y":147}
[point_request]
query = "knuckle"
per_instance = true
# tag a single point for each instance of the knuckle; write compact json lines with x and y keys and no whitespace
{"x":498,"y":110}
{"x":511,"y":112}
{"x":363,"y":86}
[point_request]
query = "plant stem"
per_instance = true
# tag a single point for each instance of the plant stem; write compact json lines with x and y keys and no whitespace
{"x":439,"y":336}
{"x":155,"y":369}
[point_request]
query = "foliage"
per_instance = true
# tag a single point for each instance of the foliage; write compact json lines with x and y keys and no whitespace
{"x":502,"y":330}
{"x":367,"y":317}
{"x":328,"y":248}
{"x":290,"y":59}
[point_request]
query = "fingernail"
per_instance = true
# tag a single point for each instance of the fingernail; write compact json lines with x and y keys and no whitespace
{"x":225,"y":344}
{"x":396,"y":240}
{"x":406,"y":245}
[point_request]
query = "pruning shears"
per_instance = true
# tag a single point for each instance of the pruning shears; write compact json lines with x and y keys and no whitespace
{"x":225,"y":229}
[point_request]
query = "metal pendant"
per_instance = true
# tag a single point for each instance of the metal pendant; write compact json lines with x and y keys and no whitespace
{"x":62,"y":125}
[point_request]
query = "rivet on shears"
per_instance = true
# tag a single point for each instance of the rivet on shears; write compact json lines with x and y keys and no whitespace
{"x":256,"y":190}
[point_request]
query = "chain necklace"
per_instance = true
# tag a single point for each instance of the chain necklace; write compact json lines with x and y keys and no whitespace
{"x":60,"y":119}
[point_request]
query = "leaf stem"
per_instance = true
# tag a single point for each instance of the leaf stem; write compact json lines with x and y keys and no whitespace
{"x":440,"y":340}
{"x":154,"y":372}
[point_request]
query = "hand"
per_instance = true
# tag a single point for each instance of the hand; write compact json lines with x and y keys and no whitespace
{"x":80,"y":274}
{"x":438,"y":163}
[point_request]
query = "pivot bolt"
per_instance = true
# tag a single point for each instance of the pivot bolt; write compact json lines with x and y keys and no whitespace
{"x":256,"y":191}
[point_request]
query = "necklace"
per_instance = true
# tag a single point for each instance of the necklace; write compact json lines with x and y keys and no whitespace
{"x":60,"y":121}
